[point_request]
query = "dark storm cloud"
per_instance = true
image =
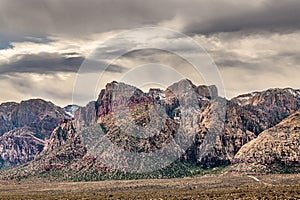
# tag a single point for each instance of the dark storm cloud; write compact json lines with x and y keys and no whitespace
{"x":272,"y":15}
{"x":42,"y":63}
{"x":76,"y":17}
{"x":45,"y":63}
{"x":241,"y":36}
{"x":98,"y":66}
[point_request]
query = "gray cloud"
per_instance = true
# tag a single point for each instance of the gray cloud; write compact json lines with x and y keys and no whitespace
{"x":45,"y":63}
{"x":271,"y":15}
{"x":41,"y":63}
{"x":293,"y":56}
{"x":235,"y":63}
{"x":54,"y":87}
{"x":99,"y":66}
{"x":76,"y":17}
{"x":28,"y":87}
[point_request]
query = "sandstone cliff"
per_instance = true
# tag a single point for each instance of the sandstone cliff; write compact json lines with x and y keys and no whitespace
{"x":279,"y":145}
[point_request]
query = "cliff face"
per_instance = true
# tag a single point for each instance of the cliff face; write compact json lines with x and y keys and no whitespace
{"x":62,"y":149}
{"x":19,"y":146}
{"x":7,"y":111}
{"x":35,"y":113}
{"x":249,"y":114}
{"x":24,"y":127}
{"x":279,"y":145}
{"x":265,"y":109}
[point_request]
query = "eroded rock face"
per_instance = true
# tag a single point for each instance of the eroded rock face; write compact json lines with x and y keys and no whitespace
{"x":35,"y":113}
{"x":19,"y":146}
{"x":61,"y":135}
{"x":7,"y":121}
{"x":250,"y":114}
{"x":24,"y":127}
{"x":39,"y":114}
{"x":277,"y":145}
{"x":85,"y":116}
{"x":62,"y":149}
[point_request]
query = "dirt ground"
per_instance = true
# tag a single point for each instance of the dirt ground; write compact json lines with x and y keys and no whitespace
{"x":224,"y":186}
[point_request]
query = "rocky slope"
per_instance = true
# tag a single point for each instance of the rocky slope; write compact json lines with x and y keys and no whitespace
{"x":277,"y":147}
{"x":24,"y":127}
{"x":19,"y":146}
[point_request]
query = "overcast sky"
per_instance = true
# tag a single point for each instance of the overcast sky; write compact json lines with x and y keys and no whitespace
{"x":43,"y":43}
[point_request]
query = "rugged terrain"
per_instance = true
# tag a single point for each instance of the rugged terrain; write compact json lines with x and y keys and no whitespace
{"x":275,"y":148}
{"x":24,"y":128}
{"x":127,"y":133}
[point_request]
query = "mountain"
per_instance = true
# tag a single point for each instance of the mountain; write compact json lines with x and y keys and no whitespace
{"x":267,"y":108}
{"x":277,"y":148}
{"x":40,"y":115}
{"x":127,"y":131}
{"x":19,"y":146}
{"x":250,"y":114}
{"x":24,"y":129}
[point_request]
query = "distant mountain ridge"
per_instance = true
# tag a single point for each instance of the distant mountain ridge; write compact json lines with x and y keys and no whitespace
{"x":219,"y":128}
{"x":24,"y":129}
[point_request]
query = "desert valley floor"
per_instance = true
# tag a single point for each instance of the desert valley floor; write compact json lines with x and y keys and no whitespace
{"x":222,"y":186}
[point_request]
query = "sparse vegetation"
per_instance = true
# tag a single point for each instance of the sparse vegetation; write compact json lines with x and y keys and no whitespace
{"x":225,"y":186}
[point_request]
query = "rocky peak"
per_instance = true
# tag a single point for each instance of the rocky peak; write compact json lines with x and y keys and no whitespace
{"x":119,"y":96}
{"x":268,"y":107}
{"x":35,"y":113}
{"x":180,"y":87}
{"x":39,"y":114}
{"x":64,"y":133}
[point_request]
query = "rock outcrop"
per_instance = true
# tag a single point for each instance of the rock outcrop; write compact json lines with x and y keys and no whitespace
{"x":279,"y":145}
{"x":62,"y":149}
{"x":35,"y":113}
{"x":265,"y":109}
{"x":19,"y":146}
{"x":250,"y":114}
{"x":24,"y":128}
{"x":219,"y":127}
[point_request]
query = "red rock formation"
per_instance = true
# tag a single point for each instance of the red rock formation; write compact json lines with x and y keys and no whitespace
{"x":279,"y":145}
